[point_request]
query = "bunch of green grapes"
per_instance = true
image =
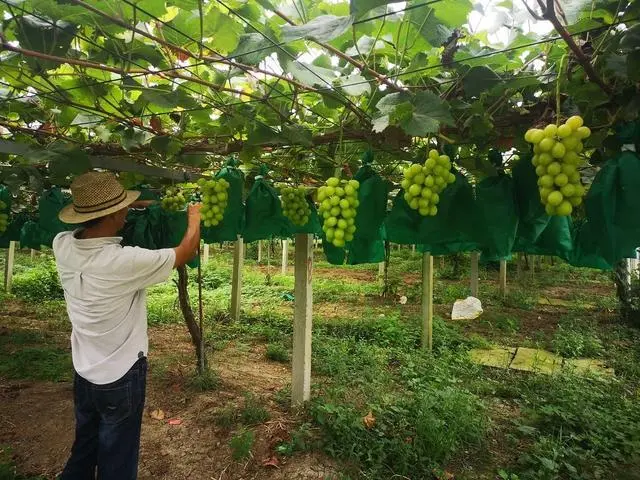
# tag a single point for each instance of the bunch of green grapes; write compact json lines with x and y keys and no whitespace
{"x":214,"y":200}
{"x":423,"y":184}
{"x":557,"y":159}
{"x":174,"y":199}
{"x":4,"y":216}
{"x":294,"y":205}
{"x":338,"y":205}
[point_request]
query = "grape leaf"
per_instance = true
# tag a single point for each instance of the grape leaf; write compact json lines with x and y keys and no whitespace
{"x":44,"y":36}
{"x":427,"y":113}
{"x":252,"y":48}
{"x":359,"y":7}
{"x":322,"y":29}
{"x":478,"y":80}
{"x":425,"y":21}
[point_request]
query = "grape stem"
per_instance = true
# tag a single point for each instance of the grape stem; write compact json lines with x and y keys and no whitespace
{"x":558,"y":83}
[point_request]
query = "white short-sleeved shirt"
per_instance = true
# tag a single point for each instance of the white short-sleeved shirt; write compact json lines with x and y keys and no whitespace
{"x":104,"y":287}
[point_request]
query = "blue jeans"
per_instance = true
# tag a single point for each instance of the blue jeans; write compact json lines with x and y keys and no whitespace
{"x":108,"y":423}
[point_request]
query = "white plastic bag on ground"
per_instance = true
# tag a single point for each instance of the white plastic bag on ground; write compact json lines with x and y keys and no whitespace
{"x":466,"y":309}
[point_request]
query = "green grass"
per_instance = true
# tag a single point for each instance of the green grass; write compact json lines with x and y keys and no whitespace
{"x":278,"y":352}
{"x":8,"y":470}
{"x":241,"y":445}
{"x":430,"y":410}
{"x":29,"y":355}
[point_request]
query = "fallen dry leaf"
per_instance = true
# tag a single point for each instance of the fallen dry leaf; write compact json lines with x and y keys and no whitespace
{"x":157,"y":414}
{"x":175,"y":421}
{"x":271,"y":462}
{"x":369,"y":420}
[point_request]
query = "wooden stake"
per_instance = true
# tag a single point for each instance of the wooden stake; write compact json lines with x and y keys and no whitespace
{"x":259,"y":251}
{"x":33,"y":254}
{"x":205,"y":254}
{"x":413,"y":249}
{"x":302,"y":321}
{"x":285,"y":256}
{"x":8,"y":267}
{"x":236,"y":279}
{"x":503,"y":278}
{"x":475,"y":259}
{"x":427,"y":301}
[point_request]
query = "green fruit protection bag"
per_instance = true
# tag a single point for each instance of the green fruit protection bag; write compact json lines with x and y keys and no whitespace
{"x":586,"y":251}
{"x":613,"y":204}
{"x":367,"y":245}
{"x":232,"y":222}
{"x":451,"y":230}
{"x":263,"y":214}
{"x":498,"y":214}
{"x":403,"y":224}
{"x":155,"y":228}
{"x":5,"y":197}
{"x":556,"y":239}
{"x":49,"y":206}
{"x":31,"y":235}
{"x":532,"y":218}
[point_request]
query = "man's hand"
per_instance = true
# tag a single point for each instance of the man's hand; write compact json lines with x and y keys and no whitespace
{"x":193,"y":213}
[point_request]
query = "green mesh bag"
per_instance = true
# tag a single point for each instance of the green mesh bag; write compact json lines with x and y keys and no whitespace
{"x":263,"y":214}
{"x":452,"y":229}
{"x":586,"y":251}
{"x":232,"y":222}
{"x":498,"y":214}
{"x":532,"y":219}
{"x":613,"y":204}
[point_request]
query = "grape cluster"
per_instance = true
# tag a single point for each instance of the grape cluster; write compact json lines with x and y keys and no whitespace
{"x":294,"y":205}
{"x":338,"y":205}
{"x":423,"y":184}
{"x":4,"y":216}
{"x":174,"y":199}
{"x":214,"y":200}
{"x":557,"y":149}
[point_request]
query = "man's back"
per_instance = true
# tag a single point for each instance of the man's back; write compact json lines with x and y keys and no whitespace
{"x":104,"y":289}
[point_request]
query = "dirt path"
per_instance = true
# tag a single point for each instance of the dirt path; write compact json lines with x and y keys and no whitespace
{"x":36,"y":419}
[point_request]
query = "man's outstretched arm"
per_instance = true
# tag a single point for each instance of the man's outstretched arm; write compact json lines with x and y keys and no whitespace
{"x":188,"y":247}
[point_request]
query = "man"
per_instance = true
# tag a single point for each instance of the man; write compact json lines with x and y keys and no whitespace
{"x":104,"y":288}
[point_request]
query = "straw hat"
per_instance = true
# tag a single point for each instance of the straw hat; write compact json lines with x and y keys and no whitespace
{"x":95,"y":195}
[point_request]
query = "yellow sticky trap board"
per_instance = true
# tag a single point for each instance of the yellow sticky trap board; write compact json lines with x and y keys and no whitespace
{"x":497,"y":357}
{"x":582,"y":366}
{"x":532,"y":360}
